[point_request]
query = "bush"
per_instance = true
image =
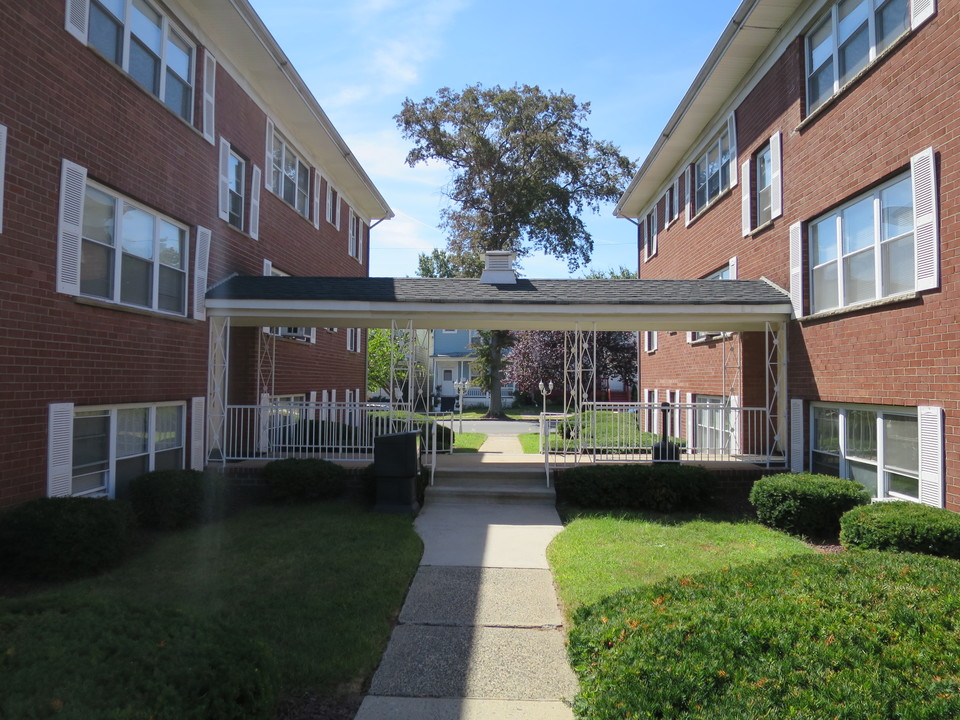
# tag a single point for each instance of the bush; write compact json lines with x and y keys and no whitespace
{"x":83,"y":659}
{"x":296,"y":480}
{"x":167,"y":499}
{"x":64,"y":537}
{"x":660,"y":488}
{"x":902,"y":526}
{"x":804,"y":504}
{"x":808,"y":636}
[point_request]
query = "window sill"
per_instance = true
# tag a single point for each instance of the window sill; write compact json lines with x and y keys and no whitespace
{"x":105,"y":305}
{"x":760,"y":229}
{"x":848,"y":309}
{"x":714,"y":337}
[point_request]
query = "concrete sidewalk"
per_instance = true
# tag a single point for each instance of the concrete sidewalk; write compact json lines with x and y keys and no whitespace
{"x":480,"y":635}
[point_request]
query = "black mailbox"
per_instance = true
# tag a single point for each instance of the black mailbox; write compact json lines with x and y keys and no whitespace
{"x":396,"y":463}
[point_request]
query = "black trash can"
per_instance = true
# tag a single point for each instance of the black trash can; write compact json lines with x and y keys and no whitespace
{"x":396,"y":464}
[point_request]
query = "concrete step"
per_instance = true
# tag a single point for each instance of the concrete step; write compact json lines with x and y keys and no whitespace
{"x":501,"y":493}
{"x":533,"y":477}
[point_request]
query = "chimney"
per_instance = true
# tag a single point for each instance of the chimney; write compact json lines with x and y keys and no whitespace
{"x":498,"y":268}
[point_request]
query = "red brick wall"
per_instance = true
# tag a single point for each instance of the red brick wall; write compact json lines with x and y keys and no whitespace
{"x":62,"y":100}
{"x":905,"y":354}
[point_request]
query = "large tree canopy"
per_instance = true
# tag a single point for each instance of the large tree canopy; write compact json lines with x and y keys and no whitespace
{"x":524,"y":167}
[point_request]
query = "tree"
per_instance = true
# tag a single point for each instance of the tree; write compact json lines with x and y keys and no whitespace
{"x":440,"y":264}
{"x":620,"y":273}
{"x":524,"y":168}
{"x":378,"y":360}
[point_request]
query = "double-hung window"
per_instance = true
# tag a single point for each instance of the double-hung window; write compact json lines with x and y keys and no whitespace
{"x":355,"y":241}
{"x":649,"y":341}
{"x":762,"y":187}
{"x":290,"y":176}
{"x":148,"y":46}
{"x":333,"y":206}
{"x":354,"y":339}
{"x":304,"y":334}
{"x":233,"y":181}
{"x":714,"y":171}
{"x":130,"y":254}
{"x":847,"y":39}
{"x":727,"y":272}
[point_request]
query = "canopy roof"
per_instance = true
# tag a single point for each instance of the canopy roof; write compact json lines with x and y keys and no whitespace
{"x":432,"y":303}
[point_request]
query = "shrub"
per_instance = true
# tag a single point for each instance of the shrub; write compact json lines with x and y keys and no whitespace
{"x":64,"y":537}
{"x":854,"y":635}
{"x":124,"y":661}
{"x":304,"y":480}
{"x":804,"y":504}
{"x":903,"y":526}
{"x":167,"y":499}
{"x":660,"y":488}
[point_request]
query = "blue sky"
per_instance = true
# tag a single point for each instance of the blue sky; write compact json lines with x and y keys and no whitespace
{"x":631,"y":60}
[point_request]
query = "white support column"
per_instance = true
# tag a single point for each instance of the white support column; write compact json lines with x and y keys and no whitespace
{"x":776,"y":389}
{"x":217,"y":383}
{"x":266,"y":363}
{"x":579,"y":381}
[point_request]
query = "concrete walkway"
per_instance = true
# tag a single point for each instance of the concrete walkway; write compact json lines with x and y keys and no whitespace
{"x":480,"y":635}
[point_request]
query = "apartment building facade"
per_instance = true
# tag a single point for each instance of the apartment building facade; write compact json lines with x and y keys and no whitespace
{"x":148,"y":151}
{"x":818,"y":149}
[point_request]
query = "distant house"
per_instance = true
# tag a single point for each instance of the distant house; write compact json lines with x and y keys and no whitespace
{"x":451,"y":361}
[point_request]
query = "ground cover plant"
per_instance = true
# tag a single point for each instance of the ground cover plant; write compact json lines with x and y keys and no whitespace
{"x":903,"y":526}
{"x":855,"y":635}
{"x":598,"y":554}
{"x":319,"y":585}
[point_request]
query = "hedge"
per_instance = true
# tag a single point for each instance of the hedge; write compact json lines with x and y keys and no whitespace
{"x":93,"y":660}
{"x":902,"y":526}
{"x":804,"y":504}
{"x":660,"y":488}
{"x":64,"y":537}
{"x":166,"y":499}
{"x":296,"y":480}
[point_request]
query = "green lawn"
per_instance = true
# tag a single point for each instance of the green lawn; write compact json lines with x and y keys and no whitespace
{"x":599,"y":554}
{"x":321,"y":585}
{"x":468,"y":442}
{"x":530,"y":442}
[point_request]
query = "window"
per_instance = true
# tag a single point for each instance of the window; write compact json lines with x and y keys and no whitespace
{"x":333,"y":206}
{"x":671,"y":202}
{"x":651,"y":412}
{"x":355,"y":242}
{"x":764,"y":186}
{"x":715,"y":170}
{"x":290,"y":176}
{"x":233,"y":174}
{"x":131,"y":255}
{"x":847,"y":39}
{"x":715,"y":429}
{"x":147,"y":45}
{"x":649,"y":341}
{"x":303,"y":334}
{"x":765,"y":202}
{"x":651,"y":245}
{"x":878,"y":448}
{"x":727,"y":272}
{"x":864,"y":250}
{"x":111,"y":446}
{"x":354,"y":339}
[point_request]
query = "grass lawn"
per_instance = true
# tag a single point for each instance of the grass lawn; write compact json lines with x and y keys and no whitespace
{"x":468,"y":442}
{"x":599,"y":554}
{"x":530,"y":442}
{"x":321,"y":585}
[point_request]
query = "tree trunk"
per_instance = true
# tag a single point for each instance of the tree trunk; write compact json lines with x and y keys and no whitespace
{"x":496,"y":365}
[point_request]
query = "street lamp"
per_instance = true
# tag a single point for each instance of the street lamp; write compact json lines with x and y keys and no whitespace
{"x":544,"y":390}
{"x":461,"y":387}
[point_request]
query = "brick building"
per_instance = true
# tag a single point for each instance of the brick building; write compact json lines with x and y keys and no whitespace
{"x":148,"y":151}
{"x":818,"y":148}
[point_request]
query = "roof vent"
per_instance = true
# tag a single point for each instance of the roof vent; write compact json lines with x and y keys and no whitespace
{"x":498,"y":268}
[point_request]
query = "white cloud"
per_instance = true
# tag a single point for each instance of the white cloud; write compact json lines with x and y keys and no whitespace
{"x":395,"y":245}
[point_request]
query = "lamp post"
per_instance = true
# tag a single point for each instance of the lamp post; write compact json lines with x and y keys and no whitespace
{"x":544,"y":390}
{"x":461,"y":387}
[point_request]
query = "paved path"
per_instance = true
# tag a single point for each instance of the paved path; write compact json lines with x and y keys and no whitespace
{"x":480,"y":635}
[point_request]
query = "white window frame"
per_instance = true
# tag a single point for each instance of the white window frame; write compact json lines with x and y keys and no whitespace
{"x":727,"y":272}
{"x":649,"y":341}
{"x":651,"y":420}
{"x":79,"y":24}
{"x":918,"y":11}
{"x":651,"y":235}
{"x":724,"y":181}
{"x":752,"y":197}
{"x":300,"y":334}
{"x":355,"y":237}
{"x":61,"y":471}
{"x":227,"y":157}
{"x":275,"y":170}
{"x":353,"y":340}
{"x":333,"y":206}
{"x":929,"y":450}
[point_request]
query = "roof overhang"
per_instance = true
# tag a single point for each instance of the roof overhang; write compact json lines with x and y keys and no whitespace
{"x":754,"y":26}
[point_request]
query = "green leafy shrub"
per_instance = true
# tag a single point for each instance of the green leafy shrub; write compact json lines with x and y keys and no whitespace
{"x":854,"y":635}
{"x":167,"y":499}
{"x":660,"y":488}
{"x":64,"y":537}
{"x":297,"y":480}
{"x":81,"y":660}
{"x":903,"y":526}
{"x":804,"y":504}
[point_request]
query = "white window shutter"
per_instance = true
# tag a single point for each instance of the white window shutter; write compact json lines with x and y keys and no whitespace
{"x":316,"y":199}
{"x":676,"y":414}
{"x":313,"y":335}
{"x":921,"y":11}
{"x":268,"y":159}
{"x":329,"y":203}
{"x":224,"y":184}
{"x":796,"y":269}
{"x":654,"y":231}
{"x":691,"y":418}
{"x":78,"y":12}
{"x":675,"y":210}
{"x":3,"y":164}
{"x":60,"y":450}
{"x":656,"y":411}
{"x":209,"y":96}
{"x":734,"y":157}
{"x":689,"y":337}
{"x":653,"y":340}
{"x":201,"y":271}
{"x":732,"y":265}
{"x":360,"y":240}
{"x":925,"y":223}
{"x":930,"y":429}
{"x":73,"y":184}
{"x":776,"y":175}
{"x":746,"y":206}
{"x":351,"y":235}
{"x":688,"y":200}
{"x":255,"y":204}
{"x":198,"y":426}
{"x":796,"y":436}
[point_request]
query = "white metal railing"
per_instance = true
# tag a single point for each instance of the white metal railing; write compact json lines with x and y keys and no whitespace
{"x":329,"y":430}
{"x":625,"y":432}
